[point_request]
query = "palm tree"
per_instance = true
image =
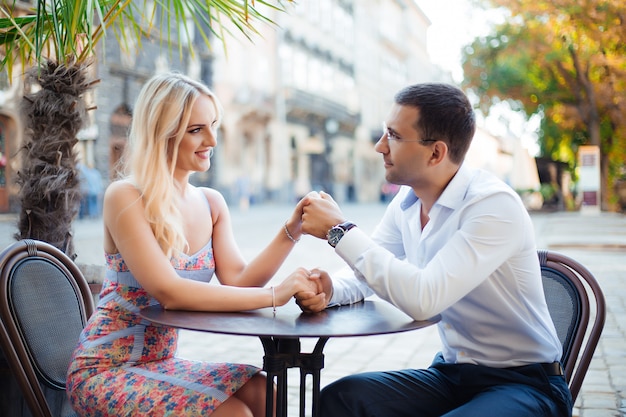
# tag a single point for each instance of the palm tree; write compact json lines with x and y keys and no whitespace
{"x":55,"y":41}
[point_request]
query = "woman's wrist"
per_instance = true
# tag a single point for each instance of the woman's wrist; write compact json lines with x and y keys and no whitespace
{"x":293,"y":232}
{"x":273,"y":290}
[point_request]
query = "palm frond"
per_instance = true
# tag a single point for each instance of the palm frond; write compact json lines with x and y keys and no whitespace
{"x":64,"y":30}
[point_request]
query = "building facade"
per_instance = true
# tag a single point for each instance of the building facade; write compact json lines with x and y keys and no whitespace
{"x":303,"y":100}
{"x":304,"y":103}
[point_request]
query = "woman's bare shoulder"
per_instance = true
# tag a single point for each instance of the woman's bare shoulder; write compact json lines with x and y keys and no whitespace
{"x":217,"y":203}
{"x":215,"y":198}
{"x":121,"y":192}
{"x":122,"y":187}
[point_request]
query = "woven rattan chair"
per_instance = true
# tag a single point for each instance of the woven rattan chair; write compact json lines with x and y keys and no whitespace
{"x":44,"y":304}
{"x":574,"y":297}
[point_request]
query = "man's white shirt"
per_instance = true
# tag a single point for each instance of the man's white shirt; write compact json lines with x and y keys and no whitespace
{"x":474,"y":263}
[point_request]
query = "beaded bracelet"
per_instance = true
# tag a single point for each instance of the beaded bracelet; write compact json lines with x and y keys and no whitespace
{"x":289,"y":234}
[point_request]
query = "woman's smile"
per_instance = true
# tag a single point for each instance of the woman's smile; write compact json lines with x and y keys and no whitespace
{"x":204,"y":154}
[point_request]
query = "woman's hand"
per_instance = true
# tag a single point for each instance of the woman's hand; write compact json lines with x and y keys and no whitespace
{"x":296,"y":283}
{"x":324,"y":291}
{"x":294,"y":223}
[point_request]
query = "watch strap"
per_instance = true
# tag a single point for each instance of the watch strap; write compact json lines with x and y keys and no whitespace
{"x":336,"y":232}
{"x":346,"y":226}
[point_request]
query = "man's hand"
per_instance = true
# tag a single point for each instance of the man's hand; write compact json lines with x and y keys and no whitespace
{"x":315,"y":303}
{"x":320,"y":213}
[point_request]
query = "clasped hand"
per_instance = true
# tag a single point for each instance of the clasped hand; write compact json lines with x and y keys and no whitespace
{"x":318,"y":212}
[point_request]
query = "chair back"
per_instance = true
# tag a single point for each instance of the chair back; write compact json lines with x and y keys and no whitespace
{"x":573,"y":296}
{"x":45,"y":302}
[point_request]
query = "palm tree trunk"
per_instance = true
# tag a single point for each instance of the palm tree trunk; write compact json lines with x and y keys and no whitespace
{"x":48,"y":177}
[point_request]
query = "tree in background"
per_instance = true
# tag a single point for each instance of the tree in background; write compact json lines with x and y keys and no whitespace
{"x":54,"y":42}
{"x":566,"y":61}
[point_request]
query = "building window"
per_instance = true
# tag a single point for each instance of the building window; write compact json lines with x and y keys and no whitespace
{"x":300,"y":69}
{"x":326,"y":15}
{"x":287,"y":64}
{"x":327,"y":77}
{"x":316,"y":78}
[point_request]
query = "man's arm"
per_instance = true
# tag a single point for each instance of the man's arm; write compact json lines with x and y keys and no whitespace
{"x":320,"y":213}
{"x":342,"y":289}
{"x":487,"y":237}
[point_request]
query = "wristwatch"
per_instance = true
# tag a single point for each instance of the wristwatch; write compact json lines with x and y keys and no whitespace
{"x":335,"y":233}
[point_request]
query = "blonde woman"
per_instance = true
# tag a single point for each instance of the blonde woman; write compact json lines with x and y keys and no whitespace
{"x":164,"y":240}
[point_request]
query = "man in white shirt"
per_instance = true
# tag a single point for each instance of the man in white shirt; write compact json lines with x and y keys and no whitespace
{"x":456,"y":242}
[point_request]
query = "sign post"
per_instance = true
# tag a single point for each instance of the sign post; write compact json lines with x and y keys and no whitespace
{"x":589,"y":177}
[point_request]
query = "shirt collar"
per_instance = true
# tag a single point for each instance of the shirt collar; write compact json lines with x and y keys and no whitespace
{"x":452,"y":196}
{"x":408,"y":200}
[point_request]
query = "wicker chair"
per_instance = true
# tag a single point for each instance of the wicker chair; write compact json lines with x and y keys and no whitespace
{"x":44,"y":304}
{"x":573,"y":297}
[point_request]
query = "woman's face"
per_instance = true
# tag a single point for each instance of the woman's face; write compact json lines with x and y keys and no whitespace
{"x":196,"y":146}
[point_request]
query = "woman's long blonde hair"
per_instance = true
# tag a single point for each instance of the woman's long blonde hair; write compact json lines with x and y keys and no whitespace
{"x":161,"y":115}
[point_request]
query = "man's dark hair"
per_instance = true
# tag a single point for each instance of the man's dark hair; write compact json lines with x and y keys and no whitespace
{"x":445,"y":114}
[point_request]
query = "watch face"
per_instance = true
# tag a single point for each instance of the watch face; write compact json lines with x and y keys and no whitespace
{"x":334,"y":236}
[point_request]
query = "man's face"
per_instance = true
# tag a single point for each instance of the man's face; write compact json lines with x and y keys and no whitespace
{"x":405,"y":153}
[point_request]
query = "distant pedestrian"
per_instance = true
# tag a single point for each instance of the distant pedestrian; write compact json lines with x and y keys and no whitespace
{"x":91,"y":188}
{"x":83,"y":211}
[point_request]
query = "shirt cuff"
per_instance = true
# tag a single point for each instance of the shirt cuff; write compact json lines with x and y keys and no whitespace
{"x":353,"y":245}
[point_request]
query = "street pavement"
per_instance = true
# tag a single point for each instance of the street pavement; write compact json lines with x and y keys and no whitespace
{"x":597,"y":240}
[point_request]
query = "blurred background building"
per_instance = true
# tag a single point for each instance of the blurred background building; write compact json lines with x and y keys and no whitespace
{"x":303,"y":103}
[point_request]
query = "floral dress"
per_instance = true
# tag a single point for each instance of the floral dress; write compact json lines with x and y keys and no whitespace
{"x":125,"y":366}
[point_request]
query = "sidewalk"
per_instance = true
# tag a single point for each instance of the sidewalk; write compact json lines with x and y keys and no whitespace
{"x":598,"y":241}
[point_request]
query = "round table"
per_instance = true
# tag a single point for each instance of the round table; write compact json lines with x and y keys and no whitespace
{"x":280,"y":335}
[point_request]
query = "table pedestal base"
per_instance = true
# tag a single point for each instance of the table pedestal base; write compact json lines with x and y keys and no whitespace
{"x":282,"y":354}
